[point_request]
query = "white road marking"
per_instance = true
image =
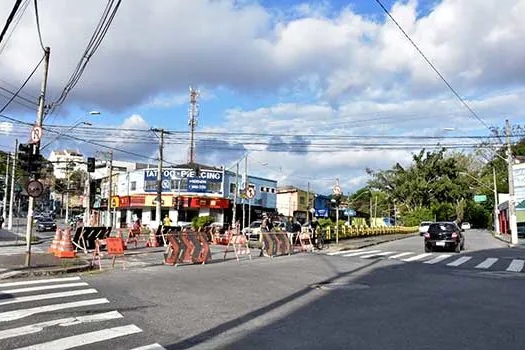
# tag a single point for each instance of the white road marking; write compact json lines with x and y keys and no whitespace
{"x":21,"y":313}
{"x":459,"y":261}
{"x":86,"y":338}
{"x":516,"y":265}
{"x":363,"y":252}
{"x":400,"y":255}
{"x":438,"y":259}
{"x":33,"y":289}
{"x":2,"y":269}
{"x":488,"y":262}
{"x":28,"y":283}
{"x":343,"y":252}
{"x":63,"y":322}
{"x":417,"y":257}
{"x":376,"y":254}
{"x":155,"y":346}
{"x":48,"y":296}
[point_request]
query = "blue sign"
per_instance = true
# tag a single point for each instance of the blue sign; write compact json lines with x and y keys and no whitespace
{"x":321,"y":213}
{"x":350,"y":212}
{"x":197,"y":185}
{"x":175,"y":174}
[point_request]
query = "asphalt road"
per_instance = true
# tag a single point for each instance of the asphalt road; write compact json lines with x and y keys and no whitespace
{"x":303,"y":301}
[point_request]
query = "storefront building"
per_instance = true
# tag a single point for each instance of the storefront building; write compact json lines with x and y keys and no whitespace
{"x":188,"y":191}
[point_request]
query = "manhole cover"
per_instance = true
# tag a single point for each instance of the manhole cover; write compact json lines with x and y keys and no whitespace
{"x":334,"y":286}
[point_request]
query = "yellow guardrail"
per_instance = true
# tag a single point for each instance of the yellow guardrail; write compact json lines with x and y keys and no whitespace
{"x":365,"y":231}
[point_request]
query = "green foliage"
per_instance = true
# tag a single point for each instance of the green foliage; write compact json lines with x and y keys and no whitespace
{"x":443,"y":211}
{"x":416,"y":216}
{"x":325,"y":222}
{"x":201,"y":221}
{"x":478,"y":215}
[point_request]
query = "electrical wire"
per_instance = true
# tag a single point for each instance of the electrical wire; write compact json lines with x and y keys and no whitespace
{"x":463,"y":102}
{"x":10,"y":19}
{"x":21,"y":87}
{"x":38,"y":26}
{"x":20,"y":14}
{"x":94,"y":43}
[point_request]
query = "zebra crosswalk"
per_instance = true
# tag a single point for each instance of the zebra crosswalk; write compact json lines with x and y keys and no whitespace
{"x":450,"y":260}
{"x":61,"y":313}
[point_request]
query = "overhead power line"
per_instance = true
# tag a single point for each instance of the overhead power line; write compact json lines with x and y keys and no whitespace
{"x":463,"y":102}
{"x":21,"y":87}
{"x":94,"y":43}
{"x":38,"y":25}
{"x":19,"y":16}
{"x":10,"y":19}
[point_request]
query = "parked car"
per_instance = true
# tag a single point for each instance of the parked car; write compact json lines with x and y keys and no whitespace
{"x":46,"y":224}
{"x":465,"y":226}
{"x":423,"y":227}
{"x":253,"y":231}
{"x":521,"y":230}
{"x":446,"y":235}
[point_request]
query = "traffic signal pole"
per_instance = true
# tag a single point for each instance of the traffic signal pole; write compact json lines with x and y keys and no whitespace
{"x":39,"y":121}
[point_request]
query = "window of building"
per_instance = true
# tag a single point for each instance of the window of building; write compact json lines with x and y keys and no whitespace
{"x":133,"y":185}
{"x":150,"y":185}
{"x":232,"y":188}
{"x":153,"y":214}
{"x":272,"y":190}
{"x":302,"y":200}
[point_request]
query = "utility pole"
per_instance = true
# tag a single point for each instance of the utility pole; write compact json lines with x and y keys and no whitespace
{"x":512,"y":197}
{"x":308,"y":202}
{"x":235,"y":193}
{"x":68,"y":187}
{"x":245,"y":181}
{"x":109,"y":222}
{"x":12,"y":195}
{"x":87,"y":199}
{"x":39,"y":120}
{"x":194,"y":95}
{"x":370,"y":208}
{"x":4,"y":205}
{"x":158,"y":204}
{"x":496,"y":219}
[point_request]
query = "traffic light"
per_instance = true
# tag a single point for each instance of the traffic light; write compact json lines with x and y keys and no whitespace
{"x":29,"y":158}
{"x":91,"y":165}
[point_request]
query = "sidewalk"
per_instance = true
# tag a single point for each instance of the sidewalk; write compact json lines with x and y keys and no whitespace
{"x":8,"y":238}
{"x":358,"y":243}
{"x":41,"y":265}
{"x":506,"y":239}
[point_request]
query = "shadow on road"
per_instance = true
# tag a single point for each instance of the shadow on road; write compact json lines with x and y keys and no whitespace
{"x":397,"y":306}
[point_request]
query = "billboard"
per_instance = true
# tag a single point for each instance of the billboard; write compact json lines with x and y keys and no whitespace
{"x":184,"y":180}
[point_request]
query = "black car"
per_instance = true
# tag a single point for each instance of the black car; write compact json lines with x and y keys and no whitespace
{"x":446,"y":235}
{"x":46,"y":224}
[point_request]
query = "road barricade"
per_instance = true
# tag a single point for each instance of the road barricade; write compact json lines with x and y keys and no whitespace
{"x":187,"y":247}
{"x":85,"y":237}
{"x":238,"y":244}
{"x":115,"y":248}
{"x":275,"y":244}
{"x":305,"y":241}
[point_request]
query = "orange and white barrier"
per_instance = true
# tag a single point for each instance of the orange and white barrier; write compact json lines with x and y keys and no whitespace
{"x":56,"y":241}
{"x":65,"y":247}
{"x":239,"y":244}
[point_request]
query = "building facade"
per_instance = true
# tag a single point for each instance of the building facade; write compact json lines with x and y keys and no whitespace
{"x":188,"y":191}
{"x":294,"y":202}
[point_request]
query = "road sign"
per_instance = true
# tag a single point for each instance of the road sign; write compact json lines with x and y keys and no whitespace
{"x":350,"y":212}
{"x":36,"y":133}
{"x":35,"y":188}
{"x":480,"y":198}
{"x":337,"y":190}
{"x":250,"y":192}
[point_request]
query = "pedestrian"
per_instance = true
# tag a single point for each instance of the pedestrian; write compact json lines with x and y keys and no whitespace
{"x":1,"y":221}
{"x":264,"y":224}
{"x":167,"y":220}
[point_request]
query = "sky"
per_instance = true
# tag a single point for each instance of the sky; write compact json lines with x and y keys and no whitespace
{"x":277,"y":79}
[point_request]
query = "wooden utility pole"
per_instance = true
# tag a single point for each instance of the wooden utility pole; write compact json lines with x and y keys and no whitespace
{"x":513,"y":225}
{"x":109,"y":222}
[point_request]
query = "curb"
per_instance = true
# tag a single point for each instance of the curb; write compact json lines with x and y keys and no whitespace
{"x":370,"y":244}
{"x":44,"y":272}
{"x":21,"y":244}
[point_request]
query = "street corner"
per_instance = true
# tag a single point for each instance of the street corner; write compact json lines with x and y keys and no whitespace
{"x":41,"y":264}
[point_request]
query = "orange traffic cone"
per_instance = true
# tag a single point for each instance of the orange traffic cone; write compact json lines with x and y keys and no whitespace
{"x":56,"y":241}
{"x":65,"y":247}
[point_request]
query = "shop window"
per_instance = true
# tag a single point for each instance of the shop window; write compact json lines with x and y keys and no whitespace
{"x":153,"y":215}
{"x":150,"y":185}
{"x":133,"y":185}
